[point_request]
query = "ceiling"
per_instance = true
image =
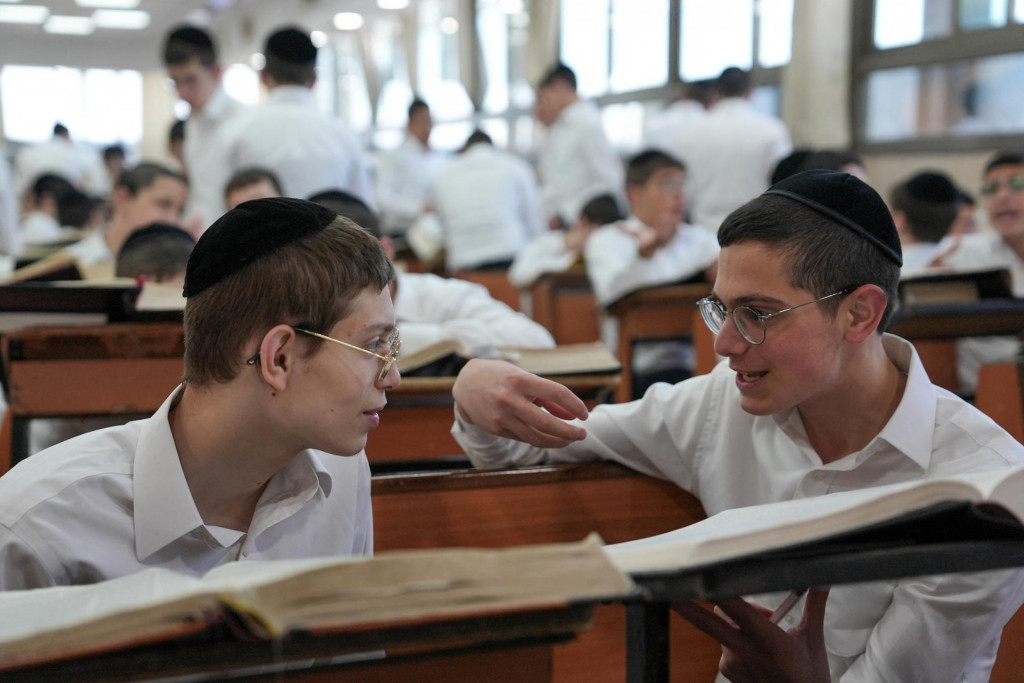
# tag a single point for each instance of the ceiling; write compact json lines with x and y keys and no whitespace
{"x":241,"y":25}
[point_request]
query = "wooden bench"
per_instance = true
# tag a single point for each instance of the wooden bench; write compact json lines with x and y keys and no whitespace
{"x":549,"y":504}
{"x":1001,"y":395}
{"x":668,"y":312}
{"x":564,"y":303}
{"x":496,"y":282}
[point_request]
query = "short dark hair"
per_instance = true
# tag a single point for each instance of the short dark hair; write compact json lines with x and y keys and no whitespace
{"x":111,"y":151}
{"x":791,"y":164}
{"x":1005,"y":157}
{"x":417,"y":104}
{"x":822,"y":255}
{"x":602,"y":210}
{"x":187,"y":42}
{"x":177,"y":131}
{"x":641,"y":167}
{"x":290,"y":56}
{"x":559,"y":73}
{"x":145,"y":174}
{"x":250,"y":176}
{"x":701,"y":91}
{"x":930,"y":202}
{"x":57,"y":186}
{"x":477,"y":136}
{"x":733,"y":82}
{"x":61,"y":130}
{"x":350,"y":206}
{"x":831,"y":160}
{"x":73,"y":207}
{"x":157,"y":251}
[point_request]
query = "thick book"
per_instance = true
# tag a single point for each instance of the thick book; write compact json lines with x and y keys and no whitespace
{"x":944,"y":285}
{"x":446,"y":357}
{"x":933,"y":526}
{"x":274,"y":599}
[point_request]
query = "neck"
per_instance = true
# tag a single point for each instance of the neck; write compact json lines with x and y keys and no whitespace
{"x":1016,"y":242}
{"x":226,"y":457}
{"x":855,"y":411}
{"x":115,"y":236}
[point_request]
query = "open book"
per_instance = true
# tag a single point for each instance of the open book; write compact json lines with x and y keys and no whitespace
{"x":59,"y":266}
{"x":446,"y":357}
{"x":725,"y":553}
{"x":273,"y":599}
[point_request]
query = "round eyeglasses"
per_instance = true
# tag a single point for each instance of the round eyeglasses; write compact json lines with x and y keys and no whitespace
{"x":387,"y":360}
{"x":751,"y":323}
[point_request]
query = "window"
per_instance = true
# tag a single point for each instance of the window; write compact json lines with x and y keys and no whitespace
{"x":99,"y":106}
{"x":438,"y":63}
{"x":716,"y":34}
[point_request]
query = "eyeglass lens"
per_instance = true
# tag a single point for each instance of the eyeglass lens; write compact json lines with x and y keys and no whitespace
{"x":1014,"y":184}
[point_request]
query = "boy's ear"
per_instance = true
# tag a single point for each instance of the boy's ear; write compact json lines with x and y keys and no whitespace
{"x":277,"y":355}
{"x":864,"y":308}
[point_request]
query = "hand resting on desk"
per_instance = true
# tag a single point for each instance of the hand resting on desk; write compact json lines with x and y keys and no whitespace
{"x":756,"y":650}
{"x":508,"y":401}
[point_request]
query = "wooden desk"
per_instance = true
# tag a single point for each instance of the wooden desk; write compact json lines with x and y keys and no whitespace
{"x":564,"y":303}
{"x":667,"y":312}
{"x":419,"y":415}
{"x":1001,"y":395}
{"x":935,"y":328}
{"x":548,"y":504}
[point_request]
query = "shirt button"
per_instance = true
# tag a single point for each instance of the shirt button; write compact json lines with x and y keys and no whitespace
{"x":245,"y":553}
{"x":818,"y":476}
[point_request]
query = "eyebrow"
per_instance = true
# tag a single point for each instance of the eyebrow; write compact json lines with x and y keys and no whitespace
{"x":750,"y":299}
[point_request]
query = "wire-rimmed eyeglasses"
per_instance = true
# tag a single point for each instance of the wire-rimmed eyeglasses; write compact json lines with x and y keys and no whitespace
{"x":750,"y":323}
{"x":394,"y":346}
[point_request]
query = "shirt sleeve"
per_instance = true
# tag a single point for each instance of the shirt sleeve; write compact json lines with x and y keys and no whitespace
{"x":543,"y":254}
{"x":935,"y":627}
{"x":21,"y":567}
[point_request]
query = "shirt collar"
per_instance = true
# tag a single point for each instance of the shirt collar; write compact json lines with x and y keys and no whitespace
{"x":911,"y":427}
{"x":164,"y":508}
{"x":292,"y":93}
{"x":216,"y":106}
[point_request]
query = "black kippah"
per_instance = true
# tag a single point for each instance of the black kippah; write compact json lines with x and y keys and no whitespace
{"x":153,"y":231}
{"x":932,"y":187}
{"x":847,"y":200}
{"x":291,"y":45}
{"x":191,"y":35}
{"x":245,"y":233}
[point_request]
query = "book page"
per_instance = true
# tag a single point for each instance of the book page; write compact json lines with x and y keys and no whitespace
{"x":746,"y":531}
{"x":565,"y":359}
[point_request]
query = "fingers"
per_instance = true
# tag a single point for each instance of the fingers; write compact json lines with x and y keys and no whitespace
{"x":705,"y":620}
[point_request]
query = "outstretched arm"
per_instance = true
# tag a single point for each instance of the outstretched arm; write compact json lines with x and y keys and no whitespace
{"x":756,"y":650}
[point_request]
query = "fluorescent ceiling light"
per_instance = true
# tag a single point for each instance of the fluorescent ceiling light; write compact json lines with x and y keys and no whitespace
{"x":257,"y":61}
{"x":319,"y":38}
{"x":24,"y":14}
{"x":10,"y":0}
{"x":109,"y":4}
{"x":121,"y":18}
{"x":449,"y":26}
{"x":392,"y":4}
{"x":348,"y":21}
{"x":75,"y":26}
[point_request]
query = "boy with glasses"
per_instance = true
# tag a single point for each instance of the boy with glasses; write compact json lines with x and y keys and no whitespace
{"x":812,"y":398}
{"x":259,"y":453}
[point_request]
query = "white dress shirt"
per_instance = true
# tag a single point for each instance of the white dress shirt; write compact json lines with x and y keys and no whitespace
{"x":10,"y":235}
{"x":695,"y":434}
{"x":577,"y":163}
{"x":975,"y":251}
{"x":207,"y":142}
{"x":114,"y":502}
{"x":918,"y":255}
{"x":730,"y":155}
{"x":404,"y":179}
{"x":488,"y":203}
{"x":545,"y":253}
{"x":663,"y":129}
{"x":80,"y":165}
{"x":307,"y":150}
{"x":430,"y":308}
{"x":616,"y":268}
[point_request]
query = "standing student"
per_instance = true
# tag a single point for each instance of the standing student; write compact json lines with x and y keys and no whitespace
{"x":190,"y":57}
{"x":308,"y":151}
{"x":812,"y":398}
{"x":405,"y":174}
{"x":290,"y":348}
{"x":732,"y":152}
{"x":488,"y":203}
{"x":576,"y":160}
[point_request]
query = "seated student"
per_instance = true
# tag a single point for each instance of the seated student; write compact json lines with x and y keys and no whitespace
{"x":251,"y":183}
{"x":559,"y":250}
{"x":147,"y":193}
{"x":46,"y":203}
{"x":157,"y":252}
{"x":651,"y":247}
{"x":1003,"y":197}
{"x":430,"y":308}
{"x":290,"y":343}
{"x":924,"y":208}
{"x":813,"y":398}
{"x":966,"y":222}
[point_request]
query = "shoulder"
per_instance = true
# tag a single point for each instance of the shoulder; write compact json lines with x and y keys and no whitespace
{"x":968,"y":440}
{"x":92,"y":460}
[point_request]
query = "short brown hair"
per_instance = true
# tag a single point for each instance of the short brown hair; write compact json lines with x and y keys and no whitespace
{"x":310,"y":282}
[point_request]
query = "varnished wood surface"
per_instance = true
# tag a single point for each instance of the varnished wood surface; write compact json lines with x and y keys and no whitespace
{"x":564,"y":303}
